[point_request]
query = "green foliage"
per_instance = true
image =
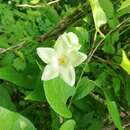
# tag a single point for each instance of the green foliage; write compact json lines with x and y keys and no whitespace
{"x":100,"y":98}
{"x":113,"y":110}
{"x":37,"y":94}
{"x":5,"y":98}
{"x":19,"y":64}
{"x":124,"y":8}
{"x":112,"y":22}
{"x":58,"y":99}
{"x":11,"y":120}
{"x":68,"y":125}
{"x":125,"y":64}
{"x":84,"y":87}
{"x":98,"y":14}
{"x":9,"y":74}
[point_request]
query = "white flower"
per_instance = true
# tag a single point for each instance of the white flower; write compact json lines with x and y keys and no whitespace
{"x":68,"y":41}
{"x":60,"y":62}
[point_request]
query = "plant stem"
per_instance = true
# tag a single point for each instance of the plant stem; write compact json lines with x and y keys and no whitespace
{"x":17,"y":46}
{"x":36,"y":6}
{"x":93,"y":50}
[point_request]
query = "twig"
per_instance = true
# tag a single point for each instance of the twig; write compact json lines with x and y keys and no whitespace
{"x":53,"y":2}
{"x":62,"y":25}
{"x":126,"y":125}
{"x":109,"y":33}
{"x":30,"y":6}
{"x":17,"y":46}
{"x":94,"y":39}
{"x":125,"y":120}
{"x":104,"y":61}
{"x":97,"y":98}
{"x":38,"y":5}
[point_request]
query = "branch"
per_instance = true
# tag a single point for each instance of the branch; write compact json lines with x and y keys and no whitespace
{"x":17,"y":46}
{"x":53,"y":2}
{"x":30,"y":6}
{"x":102,"y":41}
{"x":36,"y":6}
{"x":62,"y":25}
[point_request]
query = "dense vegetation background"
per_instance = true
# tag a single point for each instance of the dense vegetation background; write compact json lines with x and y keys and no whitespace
{"x":101,"y":100}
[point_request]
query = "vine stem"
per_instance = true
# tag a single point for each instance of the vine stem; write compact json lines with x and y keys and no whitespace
{"x":93,"y":50}
{"x":16,"y":46}
{"x":36,"y":6}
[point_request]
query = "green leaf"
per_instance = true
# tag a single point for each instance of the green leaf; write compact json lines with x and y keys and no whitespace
{"x":125,"y":4}
{"x":52,"y":15}
{"x":7,"y":59}
{"x":116,"y":85}
{"x":112,"y":22}
{"x":19,"y":64}
{"x":124,"y":8}
{"x":38,"y":93}
{"x":96,"y":125}
{"x":107,"y":7}
{"x":68,"y":125}
{"x":3,"y":42}
{"x":108,"y":46}
{"x":113,"y":110}
{"x":101,"y":79}
{"x":19,"y":79}
{"x":5,"y":100}
{"x":125,"y":64}
{"x":98,"y":14}
{"x":57,"y":92}
{"x":13,"y":121}
{"x":84,"y":87}
{"x":55,"y":121}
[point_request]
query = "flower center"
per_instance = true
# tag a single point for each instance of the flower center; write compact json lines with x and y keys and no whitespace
{"x":63,"y":60}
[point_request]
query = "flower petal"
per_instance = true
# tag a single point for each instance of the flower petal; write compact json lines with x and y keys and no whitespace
{"x":73,"y":41}
{"x":67,"y":42}
{"x":46,"y":54}
{"x":72,"y":37}
{"x":61,"y":44}
{"x":67,"y":73}
{"x":76,"y":58}
{"x":50,"y":72}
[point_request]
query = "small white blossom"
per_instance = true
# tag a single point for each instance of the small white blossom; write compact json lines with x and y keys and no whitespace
{"x":60,"y":60}
{"x":68,"y":41}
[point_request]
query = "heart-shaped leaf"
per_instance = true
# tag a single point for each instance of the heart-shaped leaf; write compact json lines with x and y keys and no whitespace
{"x":57,"y":92}
{"x":13,"y":121}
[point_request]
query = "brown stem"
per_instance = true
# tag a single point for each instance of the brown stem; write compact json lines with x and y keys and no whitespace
{"x":62,"y":25}
{"x":125,"y":120}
